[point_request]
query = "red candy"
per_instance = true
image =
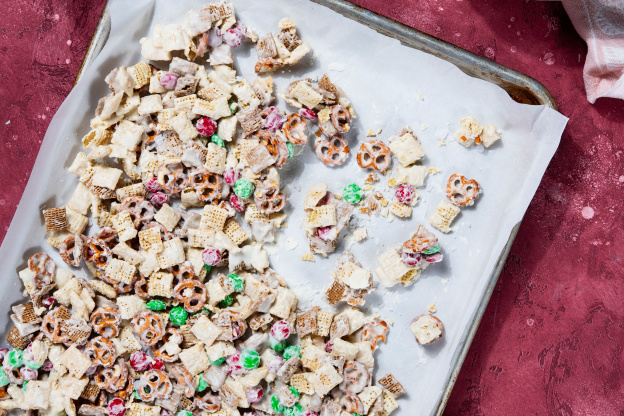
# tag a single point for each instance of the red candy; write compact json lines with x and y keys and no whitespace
{"x":206,"y":126}
{"x":116,"y":407}
{"x":230,"y":176}
{"x":169,"y":81}
{"x":274,"y":121}
{"x":48,"y":302}
{"x":28,"y":374}
{"x":310,"y":413}
{"x":234,"y":366}
{"x":411,"y":259}
{"x":152,"y":185}
{"x":255,"y":393}
{"x":307,"y":113}
{"x":329,"y":346}
{"x":211,"y":256}
{"x":139,"y":361}
{"x":164,"y":412}
{"x":156,"y":364}
{"x":405,"y":194}
{"x":159,"y":199}
{"x":47,"y":365}
{"x":280,"y":330}
{"x":433,"y":258}
{"x":328,"y":233}
{"x":237,"y":203}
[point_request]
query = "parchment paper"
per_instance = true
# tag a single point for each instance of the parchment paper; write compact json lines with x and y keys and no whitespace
{"x":383,"y":79}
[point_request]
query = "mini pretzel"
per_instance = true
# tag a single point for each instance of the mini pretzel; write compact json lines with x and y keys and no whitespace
{"x":149,"y":143}
{"x":71,"y":249}
{"x":374,"y":154}
{"x":332,"y":151}
{"x":43,"y":268}
{"x":461,"y":191}
{"x":421,"y":241}
{"x":340,"y":118}
{"x":266,"y":65}
{"x":112,"y":378}
{"x":108,"y":235}
{"x":351,"y":403}
{"x":171,"y":177}
{"x":173,"y":335}
{"x":374,"y":332}
{"x":207,"y":185}
{"x":51,"y":327}
{"x":268,"y":199}
{"x":141,"y":210}
{"x":101,"y":351}
{"x":184,"y":379}
{"x":355,"y":377}
{"x":208,"y":402}
{"x":140,"y":287}
{"x":276,"y":147}
{"x":295,"y":129}
{"x":105,"y":321}
{"x":154,"y":384}
{"x":98,"y":252}
{"x":192,"y":293}
{"x":125,"y":393}
{"x":231,"y":324}
{"x":149,"y":326}
{"x":182,"y":271}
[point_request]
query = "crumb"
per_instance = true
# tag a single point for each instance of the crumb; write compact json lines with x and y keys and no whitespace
{"x":441,"y":143}
{"x":367,"y":187}
{"x":384,"y":202}
{"x":365,"y":210}
{"x":392,"y":182}
{"x":379,"y":132}
{"x":421,"y":97}
{"x":387,"y":171}
{"x":433,"y":170}
{"x":385,"y":212}
{"x":338,"y":196}
{"x":291,"y":244}
{"x":389,"y":321}
{"x":349,"y":241}
{"x":307,"y":257}
{"x":360,"y":234}
{"x":432,"y":308}
{"x":378,"y":195}
{"x":423,"y":126}
{"x":370,"y":133}
{"x":371,"y":178}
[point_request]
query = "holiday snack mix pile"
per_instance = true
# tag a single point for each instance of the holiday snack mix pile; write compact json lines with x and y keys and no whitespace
{"x":179,"y":189}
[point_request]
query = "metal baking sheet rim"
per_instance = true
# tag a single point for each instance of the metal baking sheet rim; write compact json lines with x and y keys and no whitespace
{"x":520,"y":87}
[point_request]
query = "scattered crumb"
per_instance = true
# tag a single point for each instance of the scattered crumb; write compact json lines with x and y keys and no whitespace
{"x":433,"y":170}
{"x":370,"y":133}
{"x":384,"y":202}
{"x":392,"y":182}
{"x":444,"y":280}
{"x":387,"y":171}
{"x":337,"y":196}
{"x":367,"y":187}
{"x":371,"y":178}
{"x":291,"y":244}
{"x":378,"y":195}
{"x":424,"y":126}
{"x":432,"y":308}
{"x":349,"y":241}
{"x":365,"y":210}
{"x":385,"y":212}
{"x":279,"y":219}
{"x":421,"y":97}
{"x":441,"y":143}
{"x":379,"y":131}
{"x":307,"y":257}
{"x":360,"y":234}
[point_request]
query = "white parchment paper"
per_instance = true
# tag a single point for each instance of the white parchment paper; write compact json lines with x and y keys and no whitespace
{"x":383,"y":79}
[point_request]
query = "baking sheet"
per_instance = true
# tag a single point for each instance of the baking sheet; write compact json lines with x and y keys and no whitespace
{"x":383,"y":79}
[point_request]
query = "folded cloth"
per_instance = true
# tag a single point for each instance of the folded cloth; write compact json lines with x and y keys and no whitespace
{"x":601,"y":24}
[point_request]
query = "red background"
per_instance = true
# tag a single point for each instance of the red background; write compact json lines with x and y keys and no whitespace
{"x":551,"y":339}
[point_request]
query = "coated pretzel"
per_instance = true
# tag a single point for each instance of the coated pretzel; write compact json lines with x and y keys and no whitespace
{"x":208,"y":402}
{"x":51,"y":327}
{"x":98,"y":252}
{"x":112,"y":379}
{"x":171,"y":177}
{"x":183,"y":379}
{"x":340,"y":118}
{"x":421,"y":241}
{"x":276,"y":146}
{"x":105,"y":321}
{"x":149,"y":326}
{"x":351,"y":403}
{"x":295,"y":129}
{"x":355,"y":378}
{"x":374,"y":154}
{"x":141,"y":210}
{"x":374,"y":332}
{"x":43,"y":269}
{"x":267,"y":65}
{"x":268,"y":198}
{"x":231,"y":324}
{"x":332,"y":151}
{"x":125,"y":393}
{"x":101,"y":351}
{"x":160,"y":351}
{"x":154,"y":384}
{"x":108,"y":235}
{"x":140,"y":287}
{"x":461,"y":191}
{"x":207,"y":185}
{"x":192,"y":293}
{"x":72,"y":248}
{"x":182,"y":271}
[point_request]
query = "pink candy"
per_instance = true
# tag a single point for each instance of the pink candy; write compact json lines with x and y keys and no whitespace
{"x":206,"y":126}
{"x":48,"y":302}
{"x":411,"y":259}
{"x":211,"y":256}
{"x":116,"y":407}
{"x":280,"y":330}
{"x":254,"y":394}
{"x":307,"y":113}
{"x":405,"y":194}
{"x":237,"y":203}
{"x":152,"y":185}
{"x":328,"y":233}
{"x":165,"y":412}
{"x":274,"y":121}
{"x":230,"y":176}
{"x":433,"y":258}
{"x":157,"y":364}
{"x":325,"y":200}
{"x":232,"y":38}
{"x":329,"y":346}
{"x":139,"y":361}
{"x":234,"y":366}
{"x":159,"y":199}
{"x":214,"y":37}
{"x":275,"y":364}
{"x":28,"y":374}
{"x":310,"y":413}
{"x":168,"y":81}
{"x":47,"y":365}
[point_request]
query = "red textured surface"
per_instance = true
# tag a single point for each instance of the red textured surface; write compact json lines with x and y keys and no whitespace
{"x":551,"y":339}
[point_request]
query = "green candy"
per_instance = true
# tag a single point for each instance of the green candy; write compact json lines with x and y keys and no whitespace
{"x":33,"y":365}
{"x":136,"y":395}
{"x":432,"y":250}
{"x":250,"y":359}
{"x":352,"y":193}
{"x":295,"y":392}
{"x":4,"y":379}
{"x":207,"y":267}
{"x":156,"y":305}
{"x":278,"y":346}
{"x":16,"y":358}
{"x":243,"y":188}
{"x":227,"y":301}
{"x":178,"y":315}
{"x":276,"y":405}
{"x":236,"y":282}
{"x":201,"y":385}
{"x":233,"y":107}
{"x":184,"y":413}
{"x":291,"y":149}
{"x":216,"y":139}
{"x":24,"y":386}
{"x":218,"y":361}
{"x":291,"y":351}
{"x":294,"y":410}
